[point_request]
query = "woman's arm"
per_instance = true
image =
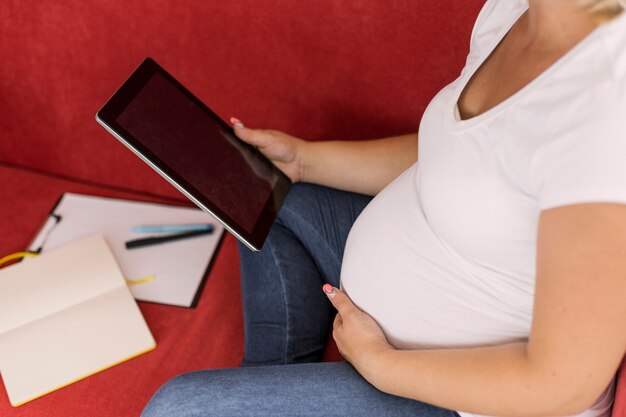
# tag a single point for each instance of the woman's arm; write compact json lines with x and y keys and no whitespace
{"x":364,"y":167}
{"x":577,"y":340}
{"x":359,"y":166}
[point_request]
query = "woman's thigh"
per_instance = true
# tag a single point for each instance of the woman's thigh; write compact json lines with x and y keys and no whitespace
{"x":286,"y":316}
{"x":321,"y":389}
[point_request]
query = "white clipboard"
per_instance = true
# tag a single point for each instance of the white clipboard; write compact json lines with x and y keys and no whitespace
{"x":179,"y":268}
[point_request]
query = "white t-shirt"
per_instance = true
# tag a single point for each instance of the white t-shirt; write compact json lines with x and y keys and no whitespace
{"x":444,"y":256}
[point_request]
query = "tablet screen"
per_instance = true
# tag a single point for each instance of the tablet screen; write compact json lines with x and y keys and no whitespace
{"x":197,"y":148}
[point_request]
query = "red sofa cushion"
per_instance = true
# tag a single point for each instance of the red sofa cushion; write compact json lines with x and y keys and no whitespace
{"x":209,"y":336}
{"x":331,"y":69}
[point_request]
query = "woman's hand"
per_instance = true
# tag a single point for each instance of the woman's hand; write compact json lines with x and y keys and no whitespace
{"x":283,"y":150}
{"x":359,"y":338}
{"x":365,"y":166}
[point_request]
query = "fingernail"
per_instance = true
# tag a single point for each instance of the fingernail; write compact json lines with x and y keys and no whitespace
{"x":329,"y":290}
{"x":236,"y":121}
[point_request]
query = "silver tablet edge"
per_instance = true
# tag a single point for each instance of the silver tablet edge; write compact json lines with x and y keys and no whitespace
{"x":175,"y":184}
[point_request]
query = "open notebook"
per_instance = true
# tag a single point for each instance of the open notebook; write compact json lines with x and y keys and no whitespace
{"x":65,"y":315}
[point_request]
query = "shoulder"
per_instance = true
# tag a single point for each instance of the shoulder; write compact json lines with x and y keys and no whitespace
{"x":613,"y":39}
{"x":495,"y":17}
{"x":585,"y":92}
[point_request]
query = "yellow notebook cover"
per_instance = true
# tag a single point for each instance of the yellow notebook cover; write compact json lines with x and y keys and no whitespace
{"x":65,"y":315}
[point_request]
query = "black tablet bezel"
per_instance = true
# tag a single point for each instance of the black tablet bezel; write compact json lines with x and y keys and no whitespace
{"x":108,"y":115}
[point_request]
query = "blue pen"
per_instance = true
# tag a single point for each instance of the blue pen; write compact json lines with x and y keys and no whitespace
{"x":173,"y":228}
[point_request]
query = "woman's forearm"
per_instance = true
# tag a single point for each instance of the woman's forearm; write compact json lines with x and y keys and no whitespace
{"x":499,"y":380}
{"x":359,"y":166}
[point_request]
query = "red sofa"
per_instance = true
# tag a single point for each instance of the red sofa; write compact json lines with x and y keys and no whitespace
{"x":317,"y":69}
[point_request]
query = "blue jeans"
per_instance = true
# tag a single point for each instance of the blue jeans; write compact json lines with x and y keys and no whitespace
{"x":316,"y":389}
{"x":287,"y":317}
{"x":287,"y":320}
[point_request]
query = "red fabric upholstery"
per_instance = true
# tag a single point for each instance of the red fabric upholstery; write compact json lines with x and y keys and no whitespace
{"x":320,"y":70}
{"x":209,"y":336}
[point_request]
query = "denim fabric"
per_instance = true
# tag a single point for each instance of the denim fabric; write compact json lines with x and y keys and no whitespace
{"x":287,"y":317}
{"x":320,"y":389}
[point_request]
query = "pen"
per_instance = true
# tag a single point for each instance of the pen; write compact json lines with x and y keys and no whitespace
{"x":149,"y":241}
{"x":172,"y":228}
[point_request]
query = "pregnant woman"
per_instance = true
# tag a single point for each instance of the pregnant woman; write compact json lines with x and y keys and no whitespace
{"x":486,"y":277}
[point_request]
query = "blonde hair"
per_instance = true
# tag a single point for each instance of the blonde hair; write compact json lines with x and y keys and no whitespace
{"x":604,"y":10}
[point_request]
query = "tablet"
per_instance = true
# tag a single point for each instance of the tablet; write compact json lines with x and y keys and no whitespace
{"x":198,"y":153}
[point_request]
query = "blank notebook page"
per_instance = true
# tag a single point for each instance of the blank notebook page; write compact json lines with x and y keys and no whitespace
{"x":65,"y":315}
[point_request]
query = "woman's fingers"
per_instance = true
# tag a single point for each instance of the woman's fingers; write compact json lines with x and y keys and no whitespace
{"x":339,"y":300}
{"x":235,"y":121}
{"x":282,"y":149}
{"x":252,"y":136}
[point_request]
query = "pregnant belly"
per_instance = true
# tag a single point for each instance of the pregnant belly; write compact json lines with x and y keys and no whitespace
{"x":398,"y":271}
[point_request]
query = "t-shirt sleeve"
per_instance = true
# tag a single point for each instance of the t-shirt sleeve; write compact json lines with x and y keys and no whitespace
{"x":585,"y":162}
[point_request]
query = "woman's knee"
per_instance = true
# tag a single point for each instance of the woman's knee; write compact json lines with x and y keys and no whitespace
{"x":178,"y":397}
{"x":216,"y":392}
